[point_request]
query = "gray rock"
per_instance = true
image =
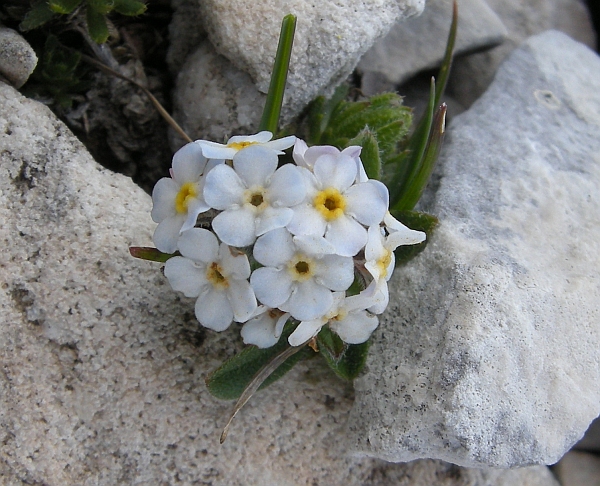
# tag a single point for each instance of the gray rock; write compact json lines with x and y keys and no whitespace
{"x":17,"y":58}
{"x":473,"y":74}
{"x":488,"y":354}
{"x":214,"y":100}
{"x":419,"y":43}
{"x":579,"y":469}
{"x":330,"y":38}
{"x":186,"y":32}
{"x":103,"y":366}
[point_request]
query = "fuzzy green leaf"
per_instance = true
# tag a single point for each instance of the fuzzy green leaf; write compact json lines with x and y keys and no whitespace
{"x":320,"y":112}
{"x":130,"y":7}
{"x":63,"y":6}
{"x":369,"y":153}
{"x":97,"y":26}
{"x":150,"y":254}
{"x":417,"y":221}
{"x":346,"y":360}
{"x":39,"y":14}
{"x":101,"y":6}
{"x":230,"y":380}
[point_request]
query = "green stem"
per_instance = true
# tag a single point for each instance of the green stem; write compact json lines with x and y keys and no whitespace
{"x":270,"y":117}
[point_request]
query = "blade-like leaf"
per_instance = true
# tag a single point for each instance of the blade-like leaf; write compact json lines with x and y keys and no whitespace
{"x":150,"y":254}
{"x":416,"y":184}
{"x":229,"y":381}
{"x":417,"y":221}
{"x":272,"y":110}
{"x":97,"y":26}
{"x":369,"y":153}
{"x":63,"y":6}
{"x":444,"y":72}
{"x":320,"y":113}
{"x":39,"y":14}
{"x":130,"y":7}
{"x":346,"y":360}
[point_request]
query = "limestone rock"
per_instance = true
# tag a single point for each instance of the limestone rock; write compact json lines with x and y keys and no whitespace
{"x":213,"y":99}
{"x":419,"y":43}
{"x":473,"y":74}
{"x":488,"y":354}
{"x":330,"y":38}
{"x":17,"y":58}
{"x":186,"y":32}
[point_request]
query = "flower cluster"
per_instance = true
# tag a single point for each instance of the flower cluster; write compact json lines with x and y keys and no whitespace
{"x":283,"y":241}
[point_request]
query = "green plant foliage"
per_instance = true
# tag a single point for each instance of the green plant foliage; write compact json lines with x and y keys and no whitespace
{"x":150,"y":254}
{"x":417,"y":221}
{"x":370,"y":152}
{"x":57,"y":74}
{"x":346,"y":360}
{"x":97,"y":26}
{"x":63,"y":6}
{"x":129,"y":7}
{"x":230,"y":380}
{"x":39,"y":14}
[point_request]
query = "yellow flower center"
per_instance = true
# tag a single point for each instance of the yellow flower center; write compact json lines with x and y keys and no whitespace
{"x":301,"y":268}
{"x":214,"y":274}
{"x":256,"y":198}
{"x":239,"y":145}
{"x":187,"y":192}
{"x":330,"y":203}
{"x":384,"y":262}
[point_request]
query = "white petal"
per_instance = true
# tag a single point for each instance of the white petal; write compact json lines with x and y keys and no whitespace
{"x":260,"y":137}
{"x":313,"y":245}
{"x":287,"y":187}
{"x":338,"y":171}
{"x":335,"y":272}
{"x":272,"y":218}
{"x":305,"y":331}
{"x":374,"y":249}
{"x":184,"y":276}
{"x":346,"y":235}
{"x":313,"y":153}
{"x":242,"y":299}
{"x":195,"y":207}
{"x":188,"y":163}
{"x":163,"y":199}
{"x":271,"y":286}
{"x":281,"y":324}
{"x":308,"y":301}
{"x":213,"y":150}
{"x":234,"y":263}
{"x":300,"y":148}
{"x":364,"y":201}
{"x":381,"y":297}
{"x":167,"y":232}
{"x":361,"y":301}
{"x":260,"y":331}
{"x":255,"y":165}
{"x":307,"y":221}
{"x":199,"y":244}
{"x":223,"y":188}
{"x":275,"y":248}
{"x":213,"y":309}
{"x":400,"y":234}
{"x":236,"y":227}
{"x":281,"y":143}
{"x":356,"y":328}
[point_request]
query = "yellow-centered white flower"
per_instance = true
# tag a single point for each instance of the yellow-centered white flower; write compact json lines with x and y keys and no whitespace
{"x":227,"y":151}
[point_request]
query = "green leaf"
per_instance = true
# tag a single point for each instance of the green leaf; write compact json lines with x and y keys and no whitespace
{"x":320,"y":112}
{"x":97,"y":26}
{"x":101,"y":6}
{"x":346,"y":360}
{"x":447,"y":62}
{"x":63,"y":6}
{"x":150,"y":254}
{"x":130,"y":7}
{"x":272,"y":110}
{"x":229,"y":381}
{"x":369,"y":153}
{"x":417,"y":221}
{"x":39,"y":14}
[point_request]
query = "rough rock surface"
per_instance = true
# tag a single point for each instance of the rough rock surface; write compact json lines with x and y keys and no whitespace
{"x":103,"y":366}
{"x":419,"y":43}
{"x":473,"y":74}
{"x":488,"y":354}
{"x":214,"y":100}
{"x":330,"y":38}
{"x":17,"y":58}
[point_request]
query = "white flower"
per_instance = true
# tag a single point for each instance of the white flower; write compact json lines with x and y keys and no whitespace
{"x":380,"y":259}
{"x":255,"y":197}
{"x":299,"y":273}
{"x":216,"y":275}
{"x":336,"y":206}
{"x":347,"y":317}
{"x":177,"y":201}
{"x":264,"y":330}
{"x":214,"y":150}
